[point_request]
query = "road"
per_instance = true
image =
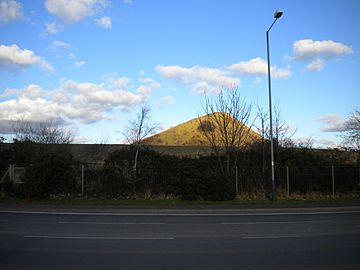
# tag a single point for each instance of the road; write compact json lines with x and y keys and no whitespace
{"x":180,"y":240}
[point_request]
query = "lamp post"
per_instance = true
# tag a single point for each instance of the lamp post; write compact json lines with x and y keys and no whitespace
{"x":277,"y":15}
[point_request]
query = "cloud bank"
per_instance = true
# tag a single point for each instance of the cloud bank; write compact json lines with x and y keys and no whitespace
{"x":334,"y":123}
{"x":317,"y":53}
{"x":200,"y":79}
{"x":84,"y":102}
{"x":104,"y":22}
{"x":14,"y":58}
{"x":53,"y":28}
{"x":258,"y":67}
{"x":10,"y":10}
{"x":211,"y":81}
{"x":72,"y":11}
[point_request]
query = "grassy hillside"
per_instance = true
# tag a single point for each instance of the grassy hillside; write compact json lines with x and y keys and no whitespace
{"x":188,"y":134}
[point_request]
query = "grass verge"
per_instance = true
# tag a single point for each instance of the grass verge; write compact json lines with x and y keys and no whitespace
{"x":318,"y":200}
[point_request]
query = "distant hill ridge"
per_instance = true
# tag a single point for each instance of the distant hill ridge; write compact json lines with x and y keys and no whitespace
{"x":189,"y":134}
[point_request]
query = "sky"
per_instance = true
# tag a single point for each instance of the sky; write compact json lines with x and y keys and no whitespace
{"x":91,"y":64}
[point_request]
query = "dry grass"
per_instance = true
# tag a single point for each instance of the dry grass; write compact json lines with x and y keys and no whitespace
{"x":187,"y":134}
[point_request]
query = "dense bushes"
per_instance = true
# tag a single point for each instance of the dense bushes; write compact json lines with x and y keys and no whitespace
{"x":199,"y":179}
{"x":5,"y":155}
{"x":206,"y":186}
{"x":158,"y":174}
{"x":50,"y":173}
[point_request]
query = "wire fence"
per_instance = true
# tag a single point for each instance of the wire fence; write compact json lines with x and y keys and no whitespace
{"x":327,"y":180}
{"x":97,"y":180}
{"x":93,"y":179}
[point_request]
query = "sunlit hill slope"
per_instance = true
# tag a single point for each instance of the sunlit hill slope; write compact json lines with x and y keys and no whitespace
{"x":189,"y":134}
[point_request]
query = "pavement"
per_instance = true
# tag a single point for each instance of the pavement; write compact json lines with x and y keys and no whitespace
{"x":274,"y":236}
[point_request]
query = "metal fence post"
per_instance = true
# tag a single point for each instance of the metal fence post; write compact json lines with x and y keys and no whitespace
{"x":333,"y":180}
{"x":236,"y":180}
{"x":359,"y":178}
{"x":11,"y":172}
{"x":287,"y":182}
{"x":82,"y":180}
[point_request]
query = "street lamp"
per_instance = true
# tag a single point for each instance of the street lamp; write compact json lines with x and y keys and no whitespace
{"x":277,"y":15}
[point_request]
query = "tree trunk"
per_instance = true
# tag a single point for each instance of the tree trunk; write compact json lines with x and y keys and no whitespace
{"x":136,"y":158}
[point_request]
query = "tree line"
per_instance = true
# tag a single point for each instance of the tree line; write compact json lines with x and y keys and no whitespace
{"x":57,"y":173}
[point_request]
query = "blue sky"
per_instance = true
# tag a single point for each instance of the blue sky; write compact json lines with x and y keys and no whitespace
{"x":90,"y":64}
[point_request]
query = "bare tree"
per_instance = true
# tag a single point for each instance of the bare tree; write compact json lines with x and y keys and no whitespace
{"x":99,"y":148}
{"x":262,"y":127}
{"x":283,"y":134}
{"x":305,"y":143}
{"x":138,"y":129}
{"x":226,"y":126}
{"x":351,"y":135}
{"x":49,"y":132}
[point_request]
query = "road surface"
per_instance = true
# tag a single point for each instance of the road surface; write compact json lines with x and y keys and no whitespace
{"x":328,"y":239}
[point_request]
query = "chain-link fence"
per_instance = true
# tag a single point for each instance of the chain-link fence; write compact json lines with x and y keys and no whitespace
{"x":329,"y":180}
{"x":95,"y":179}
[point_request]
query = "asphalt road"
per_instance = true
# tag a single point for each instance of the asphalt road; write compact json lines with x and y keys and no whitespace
{"x":180,"y":240}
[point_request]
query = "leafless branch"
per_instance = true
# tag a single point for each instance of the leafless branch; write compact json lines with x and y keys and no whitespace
{"x":351,"y":135}
{"x":48,"y":132}
{"x":138,"y":129}
{"x":226,"y":125}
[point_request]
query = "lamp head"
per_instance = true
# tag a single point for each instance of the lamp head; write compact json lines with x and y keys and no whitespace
{"x":278,"y":14}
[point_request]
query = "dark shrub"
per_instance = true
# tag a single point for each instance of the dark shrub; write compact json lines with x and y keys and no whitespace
{"x":50,"y":175}
{"x":199,"y":181}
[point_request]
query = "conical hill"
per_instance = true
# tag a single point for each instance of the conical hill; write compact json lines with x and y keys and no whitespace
{"x":191,"y":133}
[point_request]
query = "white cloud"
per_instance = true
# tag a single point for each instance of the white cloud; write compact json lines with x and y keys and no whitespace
{"x":10,"y":10}
{"x":104,"y":22}
{"x":8,"y":93}
{"x":168,"y":100}
{"x":53,"y":28}
{"x":63,"y":49}
{"x":257,"y":81}
{"x":143,"y":90}
{"x":31,"y":91}
{"x":318,"y":52}
{"x":82,"y":140}
{"x":165,"y":102}
{"x":71,"y":11}
{"x":151,"y":83}
{"x":71,"y":55}
{"x":316,"y":65}
{"x":325,"y":143}
{"x":200,"y":79}
{"x":114,"y":81}
{"x":59,"y":44}
{"x":128,"y":2}
{"x":334,"y":123}
{"x":26,"y":108}
{"x":12,"y":57}
{"x":85,"y":102}
{"x":258,"y":67}
{"x":79,"y":64}
{"x":96,"y":98}
{"x":308,"y":49}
